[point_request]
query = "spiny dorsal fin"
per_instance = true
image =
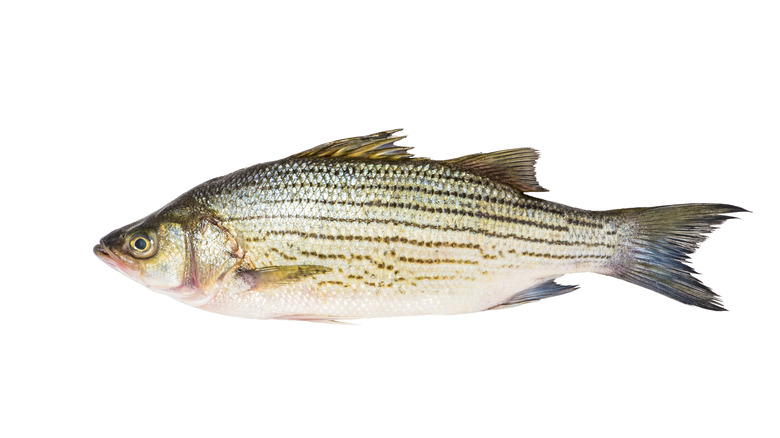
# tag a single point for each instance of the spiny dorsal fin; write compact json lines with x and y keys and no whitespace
{"x":514,"y":167}
{"x":374,"y":146}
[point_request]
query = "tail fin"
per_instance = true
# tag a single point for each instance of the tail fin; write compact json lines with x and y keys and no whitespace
{"x":657,"y":244}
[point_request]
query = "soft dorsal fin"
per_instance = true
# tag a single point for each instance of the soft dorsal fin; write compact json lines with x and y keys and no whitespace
{"x":374,"y":146}
{"x":515,"y":167}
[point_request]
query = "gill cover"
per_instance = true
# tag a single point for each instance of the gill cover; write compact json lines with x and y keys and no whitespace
{"x":212,"y":254}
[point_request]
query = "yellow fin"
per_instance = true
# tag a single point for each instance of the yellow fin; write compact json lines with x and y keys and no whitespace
{"x":374,"y":146}
{"x":514,"y":167}
{"x":257,"y":279}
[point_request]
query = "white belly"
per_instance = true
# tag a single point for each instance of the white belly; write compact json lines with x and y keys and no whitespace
{"x":309,"y":300}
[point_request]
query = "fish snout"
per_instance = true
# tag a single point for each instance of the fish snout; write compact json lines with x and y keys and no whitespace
{"x":104,"y":253}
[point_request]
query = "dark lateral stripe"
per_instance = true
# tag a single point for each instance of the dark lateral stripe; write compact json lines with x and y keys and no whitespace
{"x":430,"y":261}
{"x":381,"y":265}
{"x":324,"y":256}
{"x":438,"y":210}
{"x":412,"y":224}
{"x":582,"y":222}
{"x":282,"y":254}
{"x":564,"y":256}
{"x":511,"y":200}
{"x":403,"y":259}
{"x":426,"y":209}
{"x":372,"y":176}
{"x":377,"y":239}
{"x":422,"y":243}
{"x":369,"y":170}
{"x":438,"y":277}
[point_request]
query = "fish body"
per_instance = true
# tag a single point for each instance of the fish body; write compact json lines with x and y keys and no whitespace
{"x":360,"y":228}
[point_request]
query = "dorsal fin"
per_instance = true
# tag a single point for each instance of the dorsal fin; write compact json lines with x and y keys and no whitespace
{"x":514,"y":167}
{"x":374,"y":146}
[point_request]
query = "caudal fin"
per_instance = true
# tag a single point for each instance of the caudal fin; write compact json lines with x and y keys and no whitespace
{"x":658,"y":243}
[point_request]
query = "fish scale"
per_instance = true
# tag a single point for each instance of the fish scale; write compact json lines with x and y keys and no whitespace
{"x":429,"y":246}
{"x":361,"y":228}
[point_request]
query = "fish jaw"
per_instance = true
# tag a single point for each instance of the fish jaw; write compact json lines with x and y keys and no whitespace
{"x":112,"y":260}
{"x":190,"y":295}
{"x":187,"y":292}
{"x":104,"y":253}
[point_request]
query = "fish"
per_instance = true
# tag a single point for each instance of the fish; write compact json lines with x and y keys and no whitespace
{"x":361,"y":228}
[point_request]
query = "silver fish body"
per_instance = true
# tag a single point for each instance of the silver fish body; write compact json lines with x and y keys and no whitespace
{"x":359,"y":228}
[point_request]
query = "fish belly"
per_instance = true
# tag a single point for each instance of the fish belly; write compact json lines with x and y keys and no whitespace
{"x":312,"y":301}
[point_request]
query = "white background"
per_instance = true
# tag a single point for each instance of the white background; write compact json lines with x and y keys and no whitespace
{"x":108,"y":110}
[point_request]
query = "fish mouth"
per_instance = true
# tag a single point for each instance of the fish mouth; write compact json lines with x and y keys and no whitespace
{"x":108,"y":257}
{"x":101,"y":252}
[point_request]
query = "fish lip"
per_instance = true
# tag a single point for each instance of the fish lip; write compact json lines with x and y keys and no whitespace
{"x":101,"y":252}
{"x":108,"y":256}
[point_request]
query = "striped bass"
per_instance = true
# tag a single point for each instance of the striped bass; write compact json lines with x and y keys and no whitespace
{"x":360,"y":228}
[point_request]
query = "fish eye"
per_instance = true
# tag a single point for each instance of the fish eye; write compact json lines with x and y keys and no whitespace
{"x":142,"y":245}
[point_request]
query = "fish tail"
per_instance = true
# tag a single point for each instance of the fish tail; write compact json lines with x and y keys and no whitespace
{"x":657,"y":243}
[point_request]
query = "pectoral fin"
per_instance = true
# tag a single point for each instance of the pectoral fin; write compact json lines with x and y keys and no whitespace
{"x":257,"y":279}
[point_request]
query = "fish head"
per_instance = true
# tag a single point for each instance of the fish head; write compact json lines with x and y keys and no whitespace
{"x":182,"y":254}
{"x":149,"y":251}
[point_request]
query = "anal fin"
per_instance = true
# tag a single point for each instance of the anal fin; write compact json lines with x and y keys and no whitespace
{"x":315,"y":318}
{"x":543,"y":290}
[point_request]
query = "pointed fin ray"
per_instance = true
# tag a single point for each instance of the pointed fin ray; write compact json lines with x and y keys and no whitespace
{"x":324,"y":319}
{"x":374,"y":146}
{"x":257,"y":279}
{"x":515,"y":167}
{"x":540,"y":291}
